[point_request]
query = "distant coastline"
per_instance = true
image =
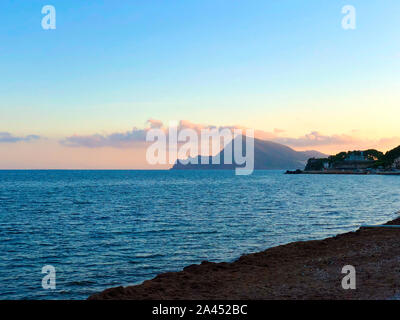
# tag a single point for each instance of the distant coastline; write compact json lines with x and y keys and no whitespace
{"x":369,"y":161}
{"x":268,"y":155}
{"x":382,"y":173}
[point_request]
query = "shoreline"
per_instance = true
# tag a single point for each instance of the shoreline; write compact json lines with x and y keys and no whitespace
{"x":382,"y":173}
{"x":297,"y":270}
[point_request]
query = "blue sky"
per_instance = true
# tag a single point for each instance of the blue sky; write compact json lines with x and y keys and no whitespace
{"x":111,"y":65}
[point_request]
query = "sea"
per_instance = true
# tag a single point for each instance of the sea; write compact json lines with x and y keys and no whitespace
{"x":101,"y":229}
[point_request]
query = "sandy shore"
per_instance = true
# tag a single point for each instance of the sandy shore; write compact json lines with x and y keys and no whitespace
{"x":299,"y":270}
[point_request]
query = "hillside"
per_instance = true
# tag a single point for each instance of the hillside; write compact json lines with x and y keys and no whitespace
{"x":370,"y":159}
{"x":267,"y":155}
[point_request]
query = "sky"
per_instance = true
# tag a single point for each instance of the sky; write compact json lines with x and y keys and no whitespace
{"x":284,"y":68}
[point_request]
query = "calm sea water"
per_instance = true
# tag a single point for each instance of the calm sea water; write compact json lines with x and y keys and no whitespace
{"x":107,"y":228}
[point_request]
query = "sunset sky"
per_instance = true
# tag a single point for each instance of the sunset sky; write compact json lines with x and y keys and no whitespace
{"x":284,"y":68}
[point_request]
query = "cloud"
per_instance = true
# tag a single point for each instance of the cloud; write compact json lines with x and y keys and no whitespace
{"x":315,"y":138}
{"x":394,"y":141}
{"x":132,"y":137}
{"x":278,"y":131}
{"x":117,"y":140}
{"x":337,"y":142}
{"x":155,"y":124}
{"x":186,"y":124}
{"x":6,"y":137}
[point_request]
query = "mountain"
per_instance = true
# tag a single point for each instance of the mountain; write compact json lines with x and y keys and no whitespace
{"x":267,"y":155}
{"x":314,"y":154}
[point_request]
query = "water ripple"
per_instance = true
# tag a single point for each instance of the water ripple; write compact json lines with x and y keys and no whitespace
{"x":109,"y":228}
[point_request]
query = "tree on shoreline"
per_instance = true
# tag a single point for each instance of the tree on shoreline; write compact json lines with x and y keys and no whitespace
{"x":380,"y":159}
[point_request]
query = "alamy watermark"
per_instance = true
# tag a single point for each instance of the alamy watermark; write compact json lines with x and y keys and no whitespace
{"x":349,"y":281}
{"x":49,"y":280}
{"x":190,"y":146}
{"x":349,"y":20}
{"x":49,"y":20}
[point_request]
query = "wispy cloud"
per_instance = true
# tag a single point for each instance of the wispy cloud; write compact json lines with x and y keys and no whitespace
{"x":129,"y":138}
{"x":155,"y":124}
{"x":314,"y":139}
{"x":116,"y":140}
{"x":6,"y":137}
{"x":337,"y":142}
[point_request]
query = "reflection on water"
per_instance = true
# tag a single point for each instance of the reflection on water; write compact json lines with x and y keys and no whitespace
{"x":110,"y":228}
